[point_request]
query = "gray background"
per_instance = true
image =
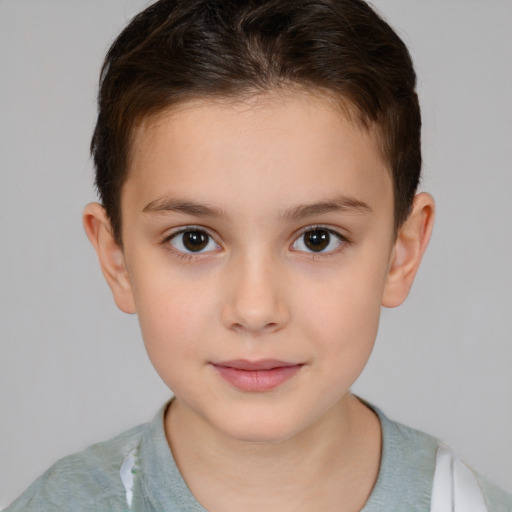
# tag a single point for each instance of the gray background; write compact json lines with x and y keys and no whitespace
{"x":73,"y":369}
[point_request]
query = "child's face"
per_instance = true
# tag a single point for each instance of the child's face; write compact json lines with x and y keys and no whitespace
{"x":253,"y":233}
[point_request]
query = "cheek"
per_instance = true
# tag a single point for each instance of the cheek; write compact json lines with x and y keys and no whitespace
{"x":344,"y":335}
{"x":346,"y":324}
{"x":342,"y":314}
{"x":172,"y":315}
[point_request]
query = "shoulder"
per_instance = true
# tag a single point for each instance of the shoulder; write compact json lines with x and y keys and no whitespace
{"x":84,"y":480}
{"x":456,"y":484}
{"x":408,"y":460}
{"x":405,"y":450}
{"x":418,"y":470}
{"x":466,"y":487}
{"x":497,"y":499}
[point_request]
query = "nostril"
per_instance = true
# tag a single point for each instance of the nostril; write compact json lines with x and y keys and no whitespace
{"x":253,"y":327}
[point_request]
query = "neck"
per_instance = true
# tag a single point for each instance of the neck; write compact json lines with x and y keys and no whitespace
{"x":335,"y":460}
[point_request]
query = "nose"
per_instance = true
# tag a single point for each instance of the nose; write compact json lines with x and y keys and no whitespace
{"x":255,"y":296}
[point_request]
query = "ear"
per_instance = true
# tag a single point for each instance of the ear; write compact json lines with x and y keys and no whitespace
{"x":410,"y":244}
{"x":110,"y":255}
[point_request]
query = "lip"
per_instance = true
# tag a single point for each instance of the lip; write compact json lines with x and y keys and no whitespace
{"x":256,"y":376}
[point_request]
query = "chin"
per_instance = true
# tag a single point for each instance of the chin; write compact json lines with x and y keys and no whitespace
{"x":259,"y":428}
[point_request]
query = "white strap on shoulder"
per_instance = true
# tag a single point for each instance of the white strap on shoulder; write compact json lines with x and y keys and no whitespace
{"x":455,"y":487}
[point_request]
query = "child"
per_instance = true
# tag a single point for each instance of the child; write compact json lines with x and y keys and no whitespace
{"x":257,"y":164}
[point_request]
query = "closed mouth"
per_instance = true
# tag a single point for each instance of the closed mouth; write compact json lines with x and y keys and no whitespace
{"x":262,"y":364}
{"x":256,"y":376}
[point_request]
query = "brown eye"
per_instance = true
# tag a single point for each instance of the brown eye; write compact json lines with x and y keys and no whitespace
{"x":319,"y":240}
{"x":193,"y":241}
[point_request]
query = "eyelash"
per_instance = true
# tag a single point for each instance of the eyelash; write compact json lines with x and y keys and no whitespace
{"x":181,"y":254}
{"x":343,"y":240}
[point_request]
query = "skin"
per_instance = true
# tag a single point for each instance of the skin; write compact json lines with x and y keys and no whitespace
{"x":257,"y":291}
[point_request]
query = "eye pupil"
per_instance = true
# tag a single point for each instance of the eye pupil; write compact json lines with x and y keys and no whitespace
{"x":195,"y":240}
{"x":317,"y":240}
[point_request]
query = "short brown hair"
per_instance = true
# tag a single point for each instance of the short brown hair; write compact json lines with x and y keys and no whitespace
{"x":179,"y":50}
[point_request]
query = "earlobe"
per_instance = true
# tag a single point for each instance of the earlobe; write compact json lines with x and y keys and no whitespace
{"x":110,"y":256}
{"x":410,"y":245}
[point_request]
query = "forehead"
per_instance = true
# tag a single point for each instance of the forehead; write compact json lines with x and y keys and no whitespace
{"x":280,"y":147}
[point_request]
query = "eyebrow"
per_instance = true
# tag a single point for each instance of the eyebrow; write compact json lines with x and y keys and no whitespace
{"x":183,"y":206}
{"x":340,"y":204}
{"x":186,"y":206}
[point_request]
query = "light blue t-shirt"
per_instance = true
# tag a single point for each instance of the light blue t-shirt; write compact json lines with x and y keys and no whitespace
{"x":135,"y":471}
